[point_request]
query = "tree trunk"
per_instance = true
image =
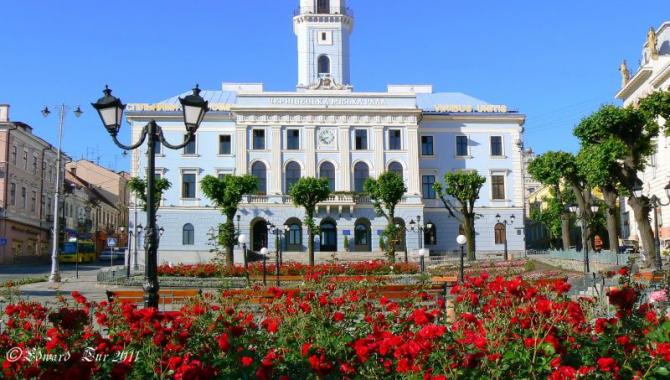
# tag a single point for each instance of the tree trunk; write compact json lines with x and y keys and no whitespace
{"x":565,"y":231}
{"x":310,"y":238}
{"x":641,"y":211}
{"x":469,"y":227}
{"x":229,"y":239}
{"x":611,"y":214}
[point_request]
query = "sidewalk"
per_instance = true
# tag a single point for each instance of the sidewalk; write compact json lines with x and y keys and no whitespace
{"x":47,"y":292}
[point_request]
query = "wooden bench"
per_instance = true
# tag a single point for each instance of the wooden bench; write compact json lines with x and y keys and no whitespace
{"x":165,"y":296}
{"x":649,"y":276}
{"x":252,"y":296}
{"x":272,"y":278}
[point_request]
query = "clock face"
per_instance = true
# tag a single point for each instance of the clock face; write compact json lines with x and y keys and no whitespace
{"x":326,"y":136}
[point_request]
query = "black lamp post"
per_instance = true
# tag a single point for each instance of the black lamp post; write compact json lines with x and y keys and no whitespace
{"x":573,"y":208}
{"x":654,"y":202}
{"x":420,"y":229}
{"x":110,"y":109}
{"x":461,"y":240}
{"x":506,"y":223}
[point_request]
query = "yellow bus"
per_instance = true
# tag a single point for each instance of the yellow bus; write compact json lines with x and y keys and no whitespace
{"x":84,"y":250}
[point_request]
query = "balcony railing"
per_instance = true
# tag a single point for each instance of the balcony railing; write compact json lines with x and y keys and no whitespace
{"x":333,"y":199}
{"x":346,"y":11}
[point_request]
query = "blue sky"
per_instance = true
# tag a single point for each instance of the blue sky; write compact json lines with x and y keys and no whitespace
{"x":555,"y":61}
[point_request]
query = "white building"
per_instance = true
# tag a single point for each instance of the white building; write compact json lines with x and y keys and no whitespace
{"x":652,"y":75}
{"x":325,"y":129}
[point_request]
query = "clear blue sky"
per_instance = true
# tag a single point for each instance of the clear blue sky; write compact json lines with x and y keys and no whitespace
{"x":555,"y":61}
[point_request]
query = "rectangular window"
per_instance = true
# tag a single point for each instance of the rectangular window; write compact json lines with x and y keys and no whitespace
{"x":24,"y":197}
{"x":394,"y":139}
{"x":34,"y":164}
{"x":25,"y":160}
{"x":225,"y":144}
{"x":188,"y":185}
{"x":14,"y":154}
{"x":498,"y":187}
{"x":361,"y":139}
{"x":190,"y":147}
{"x":33,"y":201}
{"x":258,"y":139}
{"x":12,"y":194}
{"x":496,"y":146}
{"x":292,"y":139}
{"x":427,"y":145}
{"x":157,"y":147}
{"x":427,"y":183}
{"x":462,"y":146}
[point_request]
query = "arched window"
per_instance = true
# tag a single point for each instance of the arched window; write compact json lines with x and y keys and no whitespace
{"x":361,"y":174}
{"x":327,"y":170}
{"x":499,"y":231}
{"x":292,"y":174}
{"x":324,"y":64}
{"x":294,"y":234}
{"x":430,"y":234}
{"x":395,"y":167}
{"x":187,"y":234}
{"x":259,"y":171}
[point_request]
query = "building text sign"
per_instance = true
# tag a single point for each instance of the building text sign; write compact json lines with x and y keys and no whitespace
{"x":326,"y":101}
{"x":486,"y":108}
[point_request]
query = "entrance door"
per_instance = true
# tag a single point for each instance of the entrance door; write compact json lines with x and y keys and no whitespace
{"x":259,"y":236}
{"x":362,"y":237}
{"x":328,"y":237}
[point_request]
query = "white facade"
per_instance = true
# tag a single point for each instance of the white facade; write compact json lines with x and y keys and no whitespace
{"x":324,"y":129}
{"x":652,"y":75}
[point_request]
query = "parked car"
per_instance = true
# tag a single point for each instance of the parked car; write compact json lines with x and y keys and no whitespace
{"x":629,"y":246}
{"x":109,"y":254}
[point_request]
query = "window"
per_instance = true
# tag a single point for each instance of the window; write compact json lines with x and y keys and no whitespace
{"x":224,"y":144}
{"x":292,"y":174}
{"x":324,"y":36}
{"x":498,"y":186}
{"x":361,"y":139}
{"x":361,"y":234}
{"x":461,"y":146}
{"x":292,"y":139}
{"x":499,"y":231}
{"x":157,"y":147}
{"x":361,"y":174}
{"x":324,"y":65}
{"x":259,"y":171}
{"x":190,"y":147}
{"x":323,"y":6}
{"x":430,"y":234}
{"x":427,"y":182}
{"x":427,"y":145}
{"x":496,"y":146}
{"x":34,"y":164}
{"x":396,"y":168}
{"x":294,"y":235}
{"x":14,"y":154}
{"x":187,"y":234}
{"x":394,"y":139}
{"x":25,"y":160}
{"x":33,"y":201}
{"x":327,"y":170}
{"x":258,"y":139}
{"x":24,"y":197}
{"x":12,"y":194}
{"x":188,"y":185}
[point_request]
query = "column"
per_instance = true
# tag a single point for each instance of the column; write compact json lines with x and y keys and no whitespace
{"x":343,"y":183}
{"x":379,"y":148}
{"x":277,"y":170}
{"x":310,"y":151}
{"x":241,"y":162}
{"x":414,"y":180}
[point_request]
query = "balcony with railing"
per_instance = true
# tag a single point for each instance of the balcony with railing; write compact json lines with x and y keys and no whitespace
{"x":337,"y":199}
{"x":344,"y":11}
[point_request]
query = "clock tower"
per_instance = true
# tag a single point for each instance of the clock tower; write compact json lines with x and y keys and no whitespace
{"x":322,"y":28}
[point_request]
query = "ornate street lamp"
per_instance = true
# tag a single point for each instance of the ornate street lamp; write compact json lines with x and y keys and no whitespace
{"x":242,"y":239}
{"x":654,"y":203}
{"x":110,"y":109}
{"x":461,"y":240}
{"x":264,"y":253}
{"x":506,"y":223}
{"x":573,"y":208}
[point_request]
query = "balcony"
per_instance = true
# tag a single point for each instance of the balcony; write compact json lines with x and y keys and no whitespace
{"x":341,"y":202}
{"x":344,"y":11}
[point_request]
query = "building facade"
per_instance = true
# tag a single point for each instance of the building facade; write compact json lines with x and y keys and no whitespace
{"x":653,"y":74}
{"x":27,"y":186}
{"x":325,"y":129}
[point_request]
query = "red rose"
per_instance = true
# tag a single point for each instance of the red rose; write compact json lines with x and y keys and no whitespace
{"x":338,"y":316}
{"x":224,"y":342}
{"x":607,"y":364}
{"x":246,"y":361}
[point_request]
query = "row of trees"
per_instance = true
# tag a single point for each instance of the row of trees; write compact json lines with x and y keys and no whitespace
{"x":615,"y":146}
{"x":458,"y":194}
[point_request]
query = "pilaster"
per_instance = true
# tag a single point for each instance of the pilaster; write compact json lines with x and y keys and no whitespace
{"x":310,"y":151}
{"x":343,"y":183}
{"x":379,"y":148}
{"x":414,"y":182}
{"x":241,"y":160}
{"x":276,"y":174}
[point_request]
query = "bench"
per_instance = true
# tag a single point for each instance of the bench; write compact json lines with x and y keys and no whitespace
{"x":649,"y":276}
{"x":252,"y":296}
{"x":271,"y":277}
{"x":165,"y":296}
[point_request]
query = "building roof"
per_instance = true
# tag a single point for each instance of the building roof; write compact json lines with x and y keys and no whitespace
{"x":212,"y":96}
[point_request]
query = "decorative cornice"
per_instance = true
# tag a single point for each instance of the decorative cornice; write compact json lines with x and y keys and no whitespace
{"x":634,"y":83}
{"x":320,"y":119}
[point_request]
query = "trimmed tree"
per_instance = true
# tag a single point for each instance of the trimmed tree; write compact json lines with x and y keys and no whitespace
{"x":462,"y":187}
{"x":138,"y":186}
{"x":385,"y":193}
{"x":226,"y":193}
{"x":307,"y":192}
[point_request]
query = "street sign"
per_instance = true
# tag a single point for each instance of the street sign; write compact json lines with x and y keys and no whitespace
{"x":3,"y":241}
{"x":111,"y":242}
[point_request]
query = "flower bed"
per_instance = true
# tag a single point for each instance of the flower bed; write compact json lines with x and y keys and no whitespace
{"x":503,"y":328}
{"x":375,"y":267}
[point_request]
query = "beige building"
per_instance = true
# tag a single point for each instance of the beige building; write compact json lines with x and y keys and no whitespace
{"x":652,"y":75}
{"x":27,"y":186}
